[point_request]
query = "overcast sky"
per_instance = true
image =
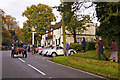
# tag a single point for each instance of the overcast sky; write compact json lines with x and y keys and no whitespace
{"x":16,"y":7}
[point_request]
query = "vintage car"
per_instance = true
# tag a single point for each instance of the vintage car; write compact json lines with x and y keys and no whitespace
{"x":18,"y":51}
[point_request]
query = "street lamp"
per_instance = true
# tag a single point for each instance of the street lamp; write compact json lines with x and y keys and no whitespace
{"x":33,"y":32}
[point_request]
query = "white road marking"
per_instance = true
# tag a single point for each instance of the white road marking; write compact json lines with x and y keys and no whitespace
{"x":50,"y":77}
{"x":36,"y":69}
{"x":21,"y":60}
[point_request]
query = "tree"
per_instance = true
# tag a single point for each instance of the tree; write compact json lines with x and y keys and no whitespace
{"x":68,"y":10}
{"x":18,"y":34}
{"x":109,"y":16}
{"x":9,"y":25}
{"x":6,"y":37}
{"x":75,"y":25}
{"x":39,"y":16}
{"x":9,"y":22}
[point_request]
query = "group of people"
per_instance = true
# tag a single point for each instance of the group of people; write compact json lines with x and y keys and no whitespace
{"x":19,"y":44}
{"x":100,"y":46}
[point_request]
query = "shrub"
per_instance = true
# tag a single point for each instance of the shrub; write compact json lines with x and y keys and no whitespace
{"x":75,"y":46}
{"x":90,"y":45}
{"x":78,"y":47}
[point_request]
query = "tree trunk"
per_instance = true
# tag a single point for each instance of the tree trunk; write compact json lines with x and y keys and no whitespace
{"x":74,"y":36}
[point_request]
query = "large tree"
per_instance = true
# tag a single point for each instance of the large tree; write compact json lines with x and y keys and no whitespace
{"x":77,"y":25}
{"x":39,"y":16}
{"x":109,"y":16}
{"x":9,"y":21}
{"x":6,"y":37}
{"x":8,"y":29}
{"x":68,"y":9}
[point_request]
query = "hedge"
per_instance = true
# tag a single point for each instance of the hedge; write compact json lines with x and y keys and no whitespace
{"x":78,"y":47}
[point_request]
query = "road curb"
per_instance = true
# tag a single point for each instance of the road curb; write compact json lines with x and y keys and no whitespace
{"x":78,"y":70}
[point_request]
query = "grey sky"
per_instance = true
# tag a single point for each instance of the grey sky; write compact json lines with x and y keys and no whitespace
{"x":16,"y":7}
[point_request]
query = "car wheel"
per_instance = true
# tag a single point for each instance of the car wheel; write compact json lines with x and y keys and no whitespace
{"x":36,"y":51}
{"x":72,"y":52}
{"x":54,"y":55}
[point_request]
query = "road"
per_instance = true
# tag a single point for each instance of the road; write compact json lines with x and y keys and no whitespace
{"x":37,"y":66}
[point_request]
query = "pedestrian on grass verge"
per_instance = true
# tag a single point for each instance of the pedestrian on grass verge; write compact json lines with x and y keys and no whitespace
{"x":83,"y":44}
{"x":96,"y":45}
{"x":67,"y":48}
{"x":101,"y":48}
{"x":114,"y":51}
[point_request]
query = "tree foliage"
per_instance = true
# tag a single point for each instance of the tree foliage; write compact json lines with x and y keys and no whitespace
{"x":9,"y":21}
{"x":6,"y":37}
{"x":39,"y":16}
{"x":71,"y":19}
{"x":9,"y":30}
{"x":75,"y":25}
{"x":109,"y":16}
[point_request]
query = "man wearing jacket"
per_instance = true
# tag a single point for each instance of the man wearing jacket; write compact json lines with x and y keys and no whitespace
{"x":101,"y":48}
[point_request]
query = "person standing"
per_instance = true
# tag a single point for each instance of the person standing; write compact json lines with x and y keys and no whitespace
{"x":101,"y":48}
{"x":114,"y":51}
{"x":33,"y":50}
{"x":83,"y":44}
{"x":25,"y":47}
{"x":28,"y":48}
{"x":67,"y":48}
{"x":96,"y":45}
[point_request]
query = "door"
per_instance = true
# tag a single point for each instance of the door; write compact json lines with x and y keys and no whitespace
{"x":60,"y":51}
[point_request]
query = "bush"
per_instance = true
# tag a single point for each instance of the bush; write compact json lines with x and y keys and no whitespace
{"x":90,"y":45}
{"x":75,"y":46}
{"x":78,"y":47}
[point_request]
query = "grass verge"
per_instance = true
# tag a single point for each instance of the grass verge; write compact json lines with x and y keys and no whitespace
{"x":103,"y":68}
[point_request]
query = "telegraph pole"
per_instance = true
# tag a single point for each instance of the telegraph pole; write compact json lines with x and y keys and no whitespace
{"x":63,"y":26}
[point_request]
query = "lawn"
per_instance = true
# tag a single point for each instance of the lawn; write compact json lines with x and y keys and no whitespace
{"x":89,"y":62}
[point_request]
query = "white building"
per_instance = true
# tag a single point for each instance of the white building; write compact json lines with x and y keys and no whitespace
{"x":54,"y":36}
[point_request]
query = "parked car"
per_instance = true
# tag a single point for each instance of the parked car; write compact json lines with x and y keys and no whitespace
{"x":44,"y":51}
{"x":71,"y":51}
{"x":40,"y":51}
{"x":58,"y":51}
{"x":38,"y":48}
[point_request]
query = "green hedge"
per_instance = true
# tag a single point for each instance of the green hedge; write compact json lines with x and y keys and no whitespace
{"x":78,"y":47}
{"x":90,"y":45}
{"x":75,"y":46}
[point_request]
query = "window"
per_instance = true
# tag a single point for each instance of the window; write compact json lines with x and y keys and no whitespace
{"x":45,"y":43}
{"x":61,"y":47}
{"x":59,"y":41}
{"x":56,"y":42}
{"x":79,"y":39}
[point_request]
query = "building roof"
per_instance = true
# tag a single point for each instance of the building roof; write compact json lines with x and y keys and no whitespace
{"x":57,"y":25}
